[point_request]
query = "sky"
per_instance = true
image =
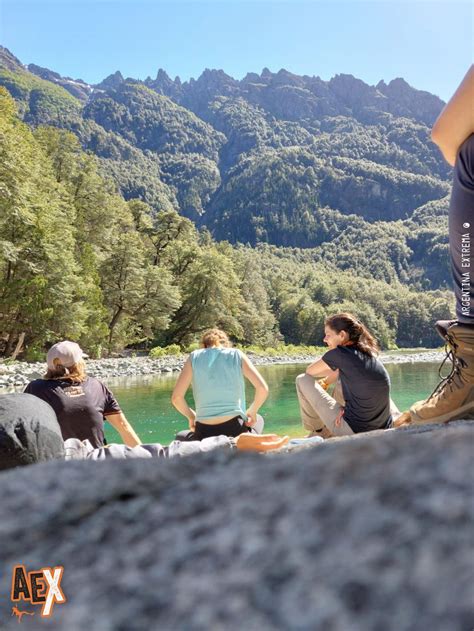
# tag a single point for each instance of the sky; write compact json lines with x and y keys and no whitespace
{"x":429,"y":44}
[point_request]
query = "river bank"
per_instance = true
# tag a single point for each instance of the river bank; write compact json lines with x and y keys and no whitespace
{"x":18,"y":374}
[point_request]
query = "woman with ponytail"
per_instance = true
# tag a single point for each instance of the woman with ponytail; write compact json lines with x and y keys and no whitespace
{"x":351,"y":359}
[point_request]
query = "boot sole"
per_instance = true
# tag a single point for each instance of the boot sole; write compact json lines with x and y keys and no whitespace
{"x":455,"y":415}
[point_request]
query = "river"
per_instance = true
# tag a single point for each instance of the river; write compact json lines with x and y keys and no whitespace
{"x":146,"y":400}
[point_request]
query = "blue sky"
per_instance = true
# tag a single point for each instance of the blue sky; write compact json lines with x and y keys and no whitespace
{"x":430,"y":44}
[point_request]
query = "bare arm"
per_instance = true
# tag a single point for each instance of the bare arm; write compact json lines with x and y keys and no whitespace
{"x":332,"y":377}
{"x":456,"y":121}
{"x":260,"y":385}
{"x":126,"y":431}
{"x":262,"y":442}
{"x":320,"y":369}
{"x":179,"y":392}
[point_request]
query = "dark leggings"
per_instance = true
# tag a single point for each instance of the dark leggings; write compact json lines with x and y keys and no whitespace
{"x":233,"y":427}
{"x":461,"y":224}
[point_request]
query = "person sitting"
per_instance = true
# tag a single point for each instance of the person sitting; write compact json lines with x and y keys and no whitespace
{"x":217,"y":373}
{"x":365,"y":383}
{"x":81,"y":402}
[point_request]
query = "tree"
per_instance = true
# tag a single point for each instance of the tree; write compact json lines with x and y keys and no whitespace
{"x":139,"y":295}
{"x":40,"y":277}
{"x":210,"y":297}
{"x":258,"y":323}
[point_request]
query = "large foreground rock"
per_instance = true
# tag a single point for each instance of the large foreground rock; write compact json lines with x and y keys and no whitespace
{"x":369,"y":533}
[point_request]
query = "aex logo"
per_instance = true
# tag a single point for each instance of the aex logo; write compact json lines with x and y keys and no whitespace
{"x":40,"y":587}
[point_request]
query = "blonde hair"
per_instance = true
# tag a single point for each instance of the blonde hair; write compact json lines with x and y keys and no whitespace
{"x":76,"y":372}
{"x":214,"y":337}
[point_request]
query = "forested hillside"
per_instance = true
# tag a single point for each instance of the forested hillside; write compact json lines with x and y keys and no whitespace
{"x":333,"y":190}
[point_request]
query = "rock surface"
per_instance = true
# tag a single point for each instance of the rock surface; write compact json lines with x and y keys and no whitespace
{"x":366,"y":533}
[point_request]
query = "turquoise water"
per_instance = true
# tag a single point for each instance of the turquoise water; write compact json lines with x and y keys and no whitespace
{"x":146,"y":400}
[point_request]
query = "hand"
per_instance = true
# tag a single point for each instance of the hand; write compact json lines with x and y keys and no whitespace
{"x":338,"y":421}
{"x":260,"y":442}
{"x":251,"y":417}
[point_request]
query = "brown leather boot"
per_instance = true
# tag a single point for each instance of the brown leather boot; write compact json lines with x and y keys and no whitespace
{"x":453,"y":397}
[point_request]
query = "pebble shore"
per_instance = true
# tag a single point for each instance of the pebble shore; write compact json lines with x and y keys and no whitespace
{"x":15,"y":375}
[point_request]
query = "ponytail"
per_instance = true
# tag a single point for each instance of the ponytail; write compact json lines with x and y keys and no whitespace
{"x":359,"y":336}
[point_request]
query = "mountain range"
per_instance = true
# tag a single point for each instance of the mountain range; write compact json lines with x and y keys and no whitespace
{"x":336,"y":171}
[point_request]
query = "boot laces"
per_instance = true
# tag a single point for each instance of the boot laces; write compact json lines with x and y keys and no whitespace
{"x":455,"y":377}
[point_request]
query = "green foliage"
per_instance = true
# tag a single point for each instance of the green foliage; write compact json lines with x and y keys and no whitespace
{"x":100,"y":248}
{"x":338,"y":167}
{"x":192,"y":347}
{"x":303,"y":294}
{"x":269,"y":196}
{"x":152,"y":122}
{"x":377,"y":192}
{"x":170,"y":350}
{"x":284,"y":350}
{"x":194,"y":178}
{"x":210,"y":297}
{"x":40,"y":102}
{"x":40,"y":276}
{"x":136,"y":173}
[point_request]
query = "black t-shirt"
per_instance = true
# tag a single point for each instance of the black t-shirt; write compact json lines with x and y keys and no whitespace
{"x":80,"y":407}
{"x":365,"y":386}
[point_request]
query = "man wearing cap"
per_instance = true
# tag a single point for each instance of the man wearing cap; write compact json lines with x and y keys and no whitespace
{"x":81,"y":402}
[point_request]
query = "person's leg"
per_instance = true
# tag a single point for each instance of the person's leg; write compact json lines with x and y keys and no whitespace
{"x":203,"y":430}
{"x":453,"y":398}
{"x":309,"y":417}
{"x":185,"y":435}
{"x":341,"y":429}
{"x":461,"y":230}
{"x":337,"y":393}
{"x":258,"y":427}
{"x":319,"y":411}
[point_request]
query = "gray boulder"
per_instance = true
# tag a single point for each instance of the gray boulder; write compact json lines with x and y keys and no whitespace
{"x":366,"y":533}
{"x":29,"y":431}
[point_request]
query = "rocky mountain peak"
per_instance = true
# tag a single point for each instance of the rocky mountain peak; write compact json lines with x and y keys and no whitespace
{"x":284,"y":77}
{"x":216,"y":78}
{"x":9,"y":61}
{"x":404,"y":100}
{"x":251,"y":77}
{"x":112,"y":81}
{"x":162,"y":75}
{"x":77,"y":87}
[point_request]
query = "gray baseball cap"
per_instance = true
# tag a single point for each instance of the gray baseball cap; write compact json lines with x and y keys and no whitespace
{"x":67,"y":353}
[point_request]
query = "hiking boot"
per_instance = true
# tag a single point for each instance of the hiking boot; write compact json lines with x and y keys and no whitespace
{"x":442,"y":327}
{"x":402,"y":420}
{"x":453,"y":397}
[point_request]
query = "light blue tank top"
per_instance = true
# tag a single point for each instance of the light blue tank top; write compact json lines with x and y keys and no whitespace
{"x":218,"y":383}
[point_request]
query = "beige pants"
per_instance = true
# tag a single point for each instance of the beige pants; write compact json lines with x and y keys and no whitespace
{"x":318,"y":408}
